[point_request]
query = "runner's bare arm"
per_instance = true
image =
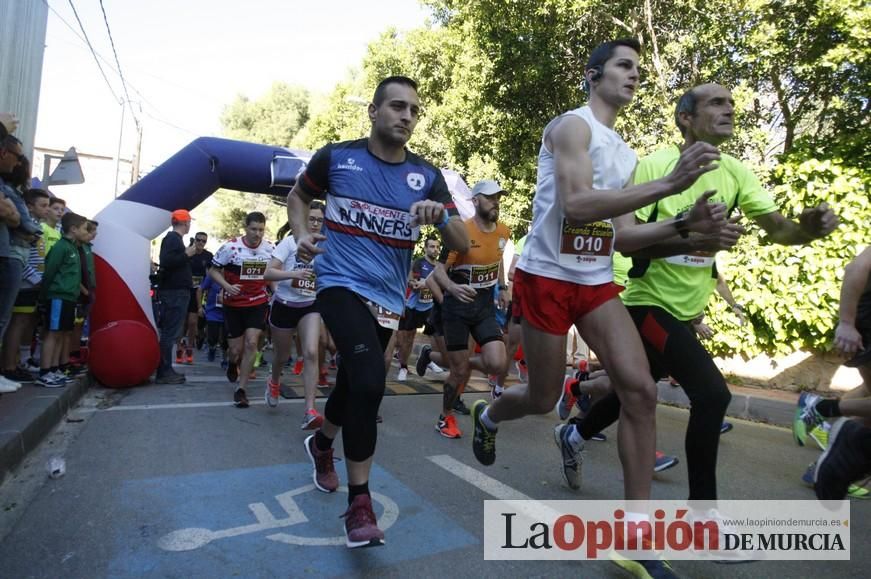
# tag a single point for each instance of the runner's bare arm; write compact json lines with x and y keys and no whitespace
{"x":297,"y":215}
{"x":812,"y":224}
{"x":463,"y":293}
{"x":723,"y":240}
{"x":217,"y":274}
{"x":275,"y":272}
{"x":704,"y":217}
{"x":856,"y":279}
{"x":434,"y":287}
{"x":569,"y":140}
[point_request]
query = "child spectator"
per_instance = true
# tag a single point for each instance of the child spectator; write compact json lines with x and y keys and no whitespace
{"x":61,"y":285}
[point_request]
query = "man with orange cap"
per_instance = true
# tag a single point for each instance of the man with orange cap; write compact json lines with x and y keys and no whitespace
{"x":175,"y":292}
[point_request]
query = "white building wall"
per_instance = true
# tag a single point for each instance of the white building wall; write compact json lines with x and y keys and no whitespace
{"x":22,"y":45}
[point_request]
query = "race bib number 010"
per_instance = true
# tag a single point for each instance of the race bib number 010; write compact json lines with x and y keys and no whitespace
{"x":252,"y":270}
{"x":589,"y":244}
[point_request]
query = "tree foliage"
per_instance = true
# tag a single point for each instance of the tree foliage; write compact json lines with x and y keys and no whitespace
{"x":492,"y":73}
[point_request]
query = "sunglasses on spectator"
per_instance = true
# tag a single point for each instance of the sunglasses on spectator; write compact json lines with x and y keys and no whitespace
{"x":315,"y":219}
{"x":199,"y":240}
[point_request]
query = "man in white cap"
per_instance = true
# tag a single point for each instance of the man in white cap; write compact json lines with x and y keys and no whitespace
{"x":469,"y":280}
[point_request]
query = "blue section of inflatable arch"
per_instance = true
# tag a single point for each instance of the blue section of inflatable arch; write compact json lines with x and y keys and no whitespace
{"x":208,"y":163}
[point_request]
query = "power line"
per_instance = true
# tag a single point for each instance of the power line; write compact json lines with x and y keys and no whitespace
{"x":93,"y":52}
{"x":117,"y":62}
{"x":132,"y":87}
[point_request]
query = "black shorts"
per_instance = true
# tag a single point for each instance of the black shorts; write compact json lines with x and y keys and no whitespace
{"x":26,"y":301}
{"x":413,"y":319}
{"x":283,"y":317}
{"x":433,"y":325}
{"x":478,"y":318}
{"x":237,"y":320}
{"x":59,"y":315}
{"x":193,"y":306}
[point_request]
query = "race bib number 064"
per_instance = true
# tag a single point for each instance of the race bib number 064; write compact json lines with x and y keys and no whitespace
{"x":587,"y":244}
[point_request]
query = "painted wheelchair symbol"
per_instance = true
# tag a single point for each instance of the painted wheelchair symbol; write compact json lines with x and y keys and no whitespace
{"x":194,"y":537}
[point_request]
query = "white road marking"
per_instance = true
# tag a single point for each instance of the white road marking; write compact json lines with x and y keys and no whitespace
{"x":182,"y":405}
{"x":488,"y":484}
{"x":193,"y":538}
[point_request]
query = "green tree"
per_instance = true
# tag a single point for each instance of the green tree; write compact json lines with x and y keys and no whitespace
{"x":273,"y":119}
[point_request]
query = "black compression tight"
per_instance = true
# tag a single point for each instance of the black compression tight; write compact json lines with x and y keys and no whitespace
{"x":353,"y":403}
{"x":673,"y":349}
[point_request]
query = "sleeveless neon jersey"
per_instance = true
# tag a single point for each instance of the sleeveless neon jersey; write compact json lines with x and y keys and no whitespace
{"x":369,"y":231}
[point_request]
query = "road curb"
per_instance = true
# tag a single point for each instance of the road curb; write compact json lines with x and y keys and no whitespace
{"x":744,"y":406}
{"x":30,"y":414}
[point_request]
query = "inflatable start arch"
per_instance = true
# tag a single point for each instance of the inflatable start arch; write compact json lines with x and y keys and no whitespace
{"x":124,"y":341}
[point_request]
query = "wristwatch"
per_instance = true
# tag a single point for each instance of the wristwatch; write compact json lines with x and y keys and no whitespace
{"x":680,"y":223}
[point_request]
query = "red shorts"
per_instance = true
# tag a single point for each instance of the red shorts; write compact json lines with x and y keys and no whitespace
{"x":553,"y":305}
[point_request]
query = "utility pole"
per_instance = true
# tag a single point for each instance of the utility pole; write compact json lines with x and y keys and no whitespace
{"x":118,"y":156}
{"x":134,"y":174}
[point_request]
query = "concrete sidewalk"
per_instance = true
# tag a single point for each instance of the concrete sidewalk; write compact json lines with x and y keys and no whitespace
{"x":28,"y":415}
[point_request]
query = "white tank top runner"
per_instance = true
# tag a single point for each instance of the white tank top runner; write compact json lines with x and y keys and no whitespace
{"x":576,"y":253}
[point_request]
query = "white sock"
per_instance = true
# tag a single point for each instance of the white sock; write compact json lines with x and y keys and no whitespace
{"x":497,"y":389}
{"x":485,"y":420}
{"x":575,"y":438}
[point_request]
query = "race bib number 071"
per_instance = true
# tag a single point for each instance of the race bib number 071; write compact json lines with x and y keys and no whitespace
{"x":252,"y":270}
{"x":588,"y":244}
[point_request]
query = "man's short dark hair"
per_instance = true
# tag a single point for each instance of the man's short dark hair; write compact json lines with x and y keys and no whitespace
{"x":32,"y":195}
{"x":319,"y":205}
{"x":201,"y":233}
{"x":685,"y":104}
{"x":57,"y":200}
{"x":605,"y":51}
{"x":378,"y":98}
{"x":431,"y":238}
{"x":254,"y":217}
{"x":70,"y":220}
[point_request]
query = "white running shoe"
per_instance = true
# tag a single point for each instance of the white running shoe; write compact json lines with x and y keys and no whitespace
{"x":402,"y":375}
{"x":8,"y":386}
{"x":433,"y":367}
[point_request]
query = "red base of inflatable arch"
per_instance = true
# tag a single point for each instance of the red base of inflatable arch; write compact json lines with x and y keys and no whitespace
{"x":128,"y":354}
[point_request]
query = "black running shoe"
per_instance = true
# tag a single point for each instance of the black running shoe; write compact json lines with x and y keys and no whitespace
{"x":461,"y":408}
{"x":842,"y":462}
{"x":423,"y":360}
{"x":240,"y":398}
{"x":484,"y":440}
{"x":232,"y":372}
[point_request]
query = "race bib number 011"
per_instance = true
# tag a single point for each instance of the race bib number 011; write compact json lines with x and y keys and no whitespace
{"x":252,"y":270}
{"x":483,"y":276}
{"x":425,"y":296}
{"x":588,"y":244}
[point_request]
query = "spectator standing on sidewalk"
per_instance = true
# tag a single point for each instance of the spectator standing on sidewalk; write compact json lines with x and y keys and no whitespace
{"x":175,"y":292}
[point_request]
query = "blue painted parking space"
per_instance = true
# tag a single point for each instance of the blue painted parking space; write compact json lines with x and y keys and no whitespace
{"x":267,"y":521}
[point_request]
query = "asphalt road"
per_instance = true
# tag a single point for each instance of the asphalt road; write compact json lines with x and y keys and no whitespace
{"x":172,"y":481}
